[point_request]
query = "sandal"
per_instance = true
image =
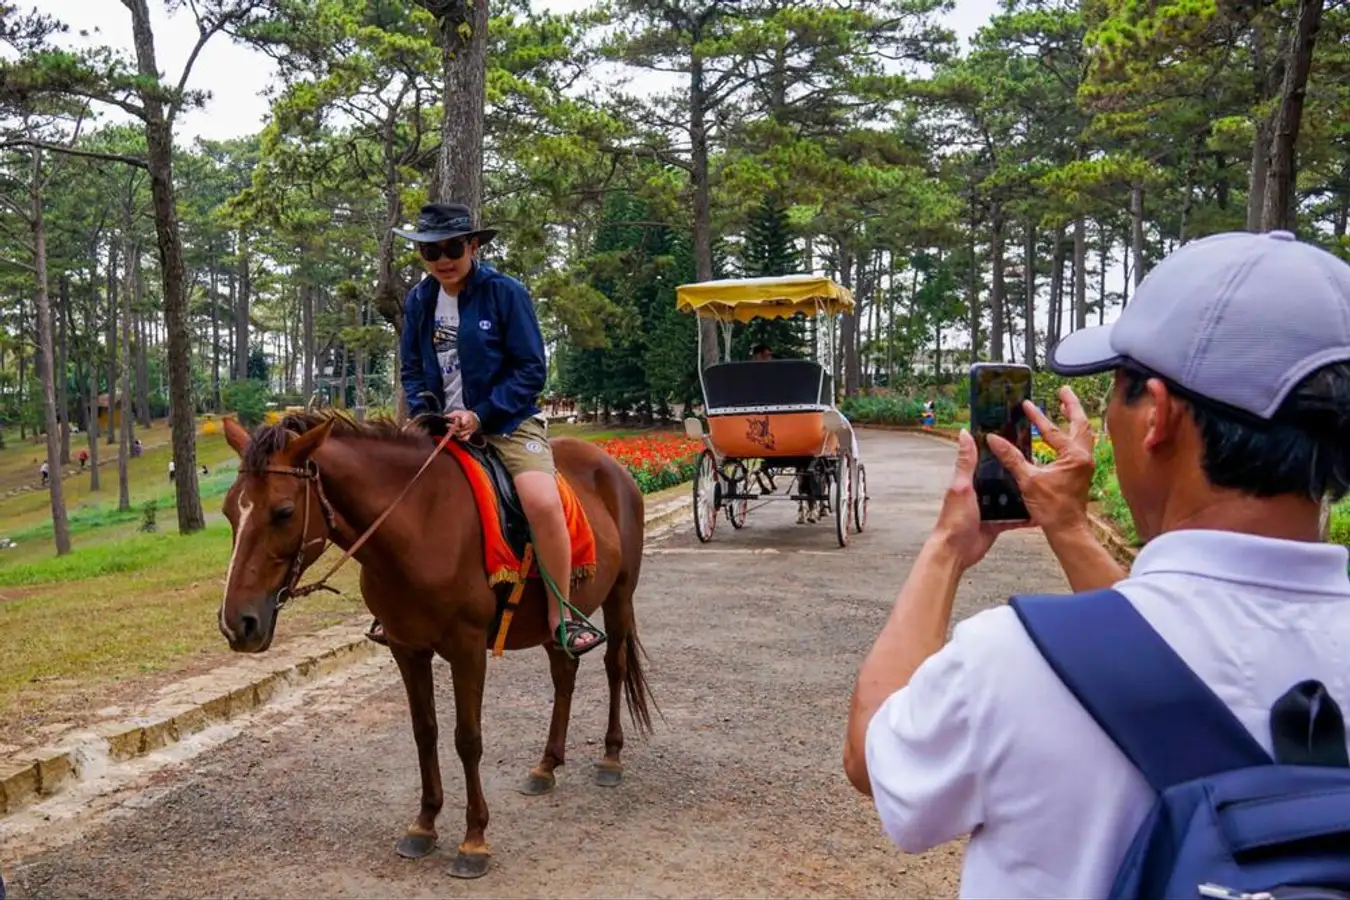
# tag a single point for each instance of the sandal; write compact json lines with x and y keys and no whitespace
{"x":376,"y":633}
{"x":573,"y":629}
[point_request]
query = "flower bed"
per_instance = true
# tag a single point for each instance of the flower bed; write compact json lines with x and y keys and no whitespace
{"x":657,"y":461}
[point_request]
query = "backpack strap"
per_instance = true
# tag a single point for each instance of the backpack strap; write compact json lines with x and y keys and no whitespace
{"x":1159,"y":713}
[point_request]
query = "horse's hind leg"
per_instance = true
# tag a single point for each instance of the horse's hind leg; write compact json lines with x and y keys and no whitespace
{"x":564,"y":671}
{"x":619,"y":623}
{"x":415,"y":667}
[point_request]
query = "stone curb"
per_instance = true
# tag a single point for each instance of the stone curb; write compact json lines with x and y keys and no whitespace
{"x":185,"y":708}
{"x":1111,"y":539}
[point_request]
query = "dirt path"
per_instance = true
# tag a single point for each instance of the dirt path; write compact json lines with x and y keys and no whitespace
{"x":754,"y":641}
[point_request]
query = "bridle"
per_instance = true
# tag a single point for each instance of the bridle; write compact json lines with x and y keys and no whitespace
{"x":310,"y":475}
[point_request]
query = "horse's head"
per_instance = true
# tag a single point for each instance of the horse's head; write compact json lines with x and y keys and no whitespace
{"x":280,"y":521}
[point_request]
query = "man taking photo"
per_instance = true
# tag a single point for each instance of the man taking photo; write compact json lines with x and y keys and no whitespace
{"x":1230,"y":422}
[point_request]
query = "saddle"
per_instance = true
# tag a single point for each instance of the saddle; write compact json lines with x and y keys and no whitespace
{"x":510,"y":514}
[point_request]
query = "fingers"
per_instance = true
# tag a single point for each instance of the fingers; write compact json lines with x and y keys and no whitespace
{"x":1073,"y":408}
{"x":1049,"y":431}
{"x":967,"y":457}
{"x":1011,"y":458}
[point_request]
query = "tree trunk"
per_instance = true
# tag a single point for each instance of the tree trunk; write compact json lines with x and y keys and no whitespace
{"x":307,"y":351}
{"x":703,"y":261}
{"x":159,"y":155}
{"x":62,"y":317}
{"x":215,"y":339}
{"x":1056,"y":311}
{"x":93,"y":429}
{"x":1104,"y":249}
{"x":112,"y":334}
{"x":972,"y":286}
{"x":46,"y":354}
{"x":124,"y":409}
{"x":241,"y":311}
{"x":1278,"y":210}
{"x":142,"y":347}
{"x":459,"y":165}
{"x":1137,"y":231}
{"x":1029,"y":288}
{"x":997,"y":291}
{"x":1079,"y":274}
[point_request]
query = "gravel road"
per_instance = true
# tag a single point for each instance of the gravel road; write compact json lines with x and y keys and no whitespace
{"x":753,"y":641}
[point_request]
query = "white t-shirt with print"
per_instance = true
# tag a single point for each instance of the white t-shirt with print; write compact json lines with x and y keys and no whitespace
{"x":446,"y":341}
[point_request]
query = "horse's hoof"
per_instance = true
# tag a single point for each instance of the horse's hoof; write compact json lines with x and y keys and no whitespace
{"x":416,"y":846}
{"x":608,"y":775}
{"x":536,"y":784}
{"x":469,"y":866}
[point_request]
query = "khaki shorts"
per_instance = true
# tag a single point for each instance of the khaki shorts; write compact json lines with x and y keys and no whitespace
{"x":526,"y":449}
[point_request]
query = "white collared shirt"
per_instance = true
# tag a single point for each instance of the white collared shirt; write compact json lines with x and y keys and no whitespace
{"x":986,"y":739}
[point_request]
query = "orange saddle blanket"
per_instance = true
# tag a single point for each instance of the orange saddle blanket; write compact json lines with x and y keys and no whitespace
{"x":502,"y":562}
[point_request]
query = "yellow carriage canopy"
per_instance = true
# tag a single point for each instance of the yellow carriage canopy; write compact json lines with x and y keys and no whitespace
{"x":781,"y":297}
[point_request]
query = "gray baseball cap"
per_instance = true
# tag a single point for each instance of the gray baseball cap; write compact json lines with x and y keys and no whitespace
{"x":1238,"y":318}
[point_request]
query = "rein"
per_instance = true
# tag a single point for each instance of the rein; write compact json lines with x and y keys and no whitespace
{"x":310,"y":474}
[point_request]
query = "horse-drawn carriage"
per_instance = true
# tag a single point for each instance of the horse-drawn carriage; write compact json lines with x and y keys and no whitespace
{"x":773,"y":418}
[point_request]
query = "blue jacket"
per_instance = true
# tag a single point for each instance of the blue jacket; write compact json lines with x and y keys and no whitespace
{"x":501,"y":350}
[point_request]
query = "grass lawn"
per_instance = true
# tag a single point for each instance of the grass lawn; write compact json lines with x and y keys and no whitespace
{"x":127,"y":611}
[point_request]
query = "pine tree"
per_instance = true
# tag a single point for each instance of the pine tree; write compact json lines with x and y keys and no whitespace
{"x":769,"y":252}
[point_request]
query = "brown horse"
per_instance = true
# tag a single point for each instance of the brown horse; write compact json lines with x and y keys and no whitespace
{"x":318,"y":477}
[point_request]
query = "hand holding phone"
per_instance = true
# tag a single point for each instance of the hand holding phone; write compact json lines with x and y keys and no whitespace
{"x":997,"y":391}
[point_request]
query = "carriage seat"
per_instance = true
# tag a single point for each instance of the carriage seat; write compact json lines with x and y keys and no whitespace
{"x":788,"y":383}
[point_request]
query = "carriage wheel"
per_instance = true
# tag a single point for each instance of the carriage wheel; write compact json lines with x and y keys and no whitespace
{"x":860,"y":499}
{"x":841,"y":495}
{"x":737,"y":509}
{"x":705,"y":497}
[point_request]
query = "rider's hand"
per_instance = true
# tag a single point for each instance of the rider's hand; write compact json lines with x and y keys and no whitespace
{"x":958,"y":527}
{"x":463,"y":423}
{"x":1056,"y":495}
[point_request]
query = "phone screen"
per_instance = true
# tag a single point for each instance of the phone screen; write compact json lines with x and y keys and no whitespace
{"x":996,"y":394}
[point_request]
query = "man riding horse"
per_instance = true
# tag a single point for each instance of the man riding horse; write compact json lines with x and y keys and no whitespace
{"x":485,"y":377}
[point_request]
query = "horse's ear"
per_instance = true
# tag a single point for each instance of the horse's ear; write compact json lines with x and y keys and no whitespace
{"x":236,"y":435}
{"x":302,"y":447}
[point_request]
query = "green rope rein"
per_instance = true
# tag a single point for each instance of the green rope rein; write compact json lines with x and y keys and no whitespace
{"x":562,"y":602}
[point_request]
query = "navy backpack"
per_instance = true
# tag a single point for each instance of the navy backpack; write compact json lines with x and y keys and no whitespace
{"x":1230,"y":821}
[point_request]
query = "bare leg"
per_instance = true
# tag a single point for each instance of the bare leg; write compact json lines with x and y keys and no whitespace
{"x":415,"y":667}
{"x":564,"y":671}
{"x":543,"y":508}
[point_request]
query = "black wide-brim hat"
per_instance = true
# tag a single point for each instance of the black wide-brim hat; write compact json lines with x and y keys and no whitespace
{"x":443,"y":221}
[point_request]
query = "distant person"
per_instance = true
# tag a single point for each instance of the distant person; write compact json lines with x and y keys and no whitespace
{"x":205,"y":471}
{"x":1053,"y":730}
{"x":761,"y":353}
{"x":171,"y":470}
{"x":45,"y":471}
{"x":84,"y":459}
{"x":136,"y":447}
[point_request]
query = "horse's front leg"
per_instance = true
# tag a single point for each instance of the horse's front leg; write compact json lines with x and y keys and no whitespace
{"x":468,"y":668}
{"x":415,"y":667}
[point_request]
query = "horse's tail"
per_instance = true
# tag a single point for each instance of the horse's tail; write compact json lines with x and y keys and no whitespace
{"x":635,"y":689}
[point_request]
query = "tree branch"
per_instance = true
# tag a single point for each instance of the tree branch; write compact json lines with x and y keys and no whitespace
{"x":71,"y":151}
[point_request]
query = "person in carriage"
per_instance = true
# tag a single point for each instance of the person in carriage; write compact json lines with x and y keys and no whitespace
{"x":485,"y":378}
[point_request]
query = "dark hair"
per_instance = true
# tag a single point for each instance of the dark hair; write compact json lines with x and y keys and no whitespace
{"x":760,"y":348}
{"x":1304,"y":449}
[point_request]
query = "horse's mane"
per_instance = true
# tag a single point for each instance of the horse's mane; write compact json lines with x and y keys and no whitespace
{"x":269,"y":440}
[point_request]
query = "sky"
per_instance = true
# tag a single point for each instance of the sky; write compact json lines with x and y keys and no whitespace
{"x":235,"y":76}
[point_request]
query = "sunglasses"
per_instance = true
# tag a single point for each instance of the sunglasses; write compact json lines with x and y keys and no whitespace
{"x":451,"y":248}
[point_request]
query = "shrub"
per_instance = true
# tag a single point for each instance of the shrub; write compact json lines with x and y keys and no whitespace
{"x":248,"y":399}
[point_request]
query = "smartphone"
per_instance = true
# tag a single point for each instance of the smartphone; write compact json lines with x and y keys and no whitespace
{"x":996,"y":394}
